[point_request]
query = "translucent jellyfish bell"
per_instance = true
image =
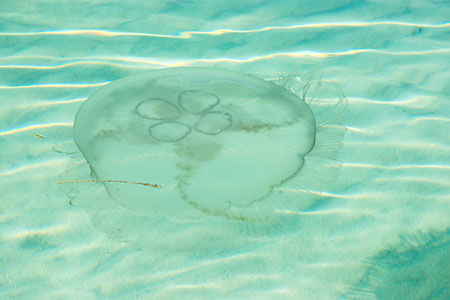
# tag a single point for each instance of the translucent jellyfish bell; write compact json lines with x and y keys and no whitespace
{"x":219,"y":143}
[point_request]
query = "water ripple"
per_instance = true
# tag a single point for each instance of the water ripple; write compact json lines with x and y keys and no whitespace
{"x":33,"y":127}
{"x":53,"y":85}
{"x":190,"y":34}
{"x":183,"y":63}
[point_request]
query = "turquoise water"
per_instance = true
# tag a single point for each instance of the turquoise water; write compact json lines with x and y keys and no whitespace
{"x":379,"y":231}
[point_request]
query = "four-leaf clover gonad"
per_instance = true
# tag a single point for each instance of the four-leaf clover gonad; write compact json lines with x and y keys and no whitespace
{"x":194,"y":111}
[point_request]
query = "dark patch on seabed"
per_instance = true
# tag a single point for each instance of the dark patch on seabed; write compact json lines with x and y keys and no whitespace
{"x":415,"y":268}
{"x":35,"y":242}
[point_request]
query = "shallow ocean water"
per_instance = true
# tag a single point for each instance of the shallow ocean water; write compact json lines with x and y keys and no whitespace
{"x":386,"y":211}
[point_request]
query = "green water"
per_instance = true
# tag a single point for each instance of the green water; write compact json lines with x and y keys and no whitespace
{"x":377,"y":224}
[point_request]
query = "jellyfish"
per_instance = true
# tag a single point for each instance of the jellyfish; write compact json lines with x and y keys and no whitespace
{"x":211,"y":145}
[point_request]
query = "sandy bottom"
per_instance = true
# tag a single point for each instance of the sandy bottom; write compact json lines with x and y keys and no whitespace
{"x":380,"y":231}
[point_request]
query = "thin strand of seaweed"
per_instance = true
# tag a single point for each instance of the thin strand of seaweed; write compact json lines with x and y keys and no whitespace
{"x":115,"y":181}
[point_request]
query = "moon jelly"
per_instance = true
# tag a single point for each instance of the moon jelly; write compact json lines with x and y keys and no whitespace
{"x":227,"y":149}
{"x":218,"y":142}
